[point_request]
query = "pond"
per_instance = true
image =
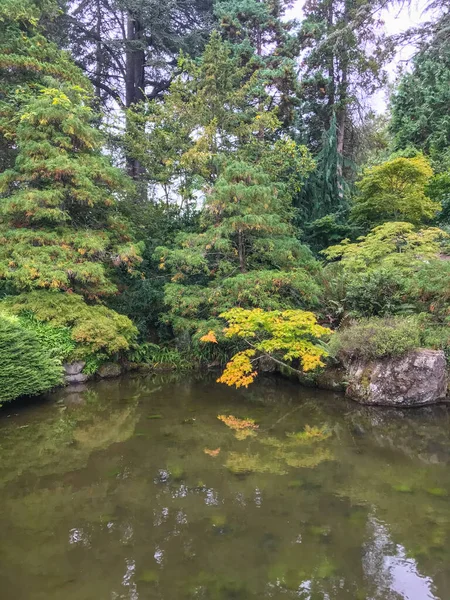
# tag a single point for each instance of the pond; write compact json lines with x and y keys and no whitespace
{"x":134,"y":488}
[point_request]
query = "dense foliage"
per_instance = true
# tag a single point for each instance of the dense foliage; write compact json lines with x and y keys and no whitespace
{"x":27,"y":369}
{"x":263,"y":186}
{"x":94,"y":329}
{"x":59,"y":227}
{"x":244,"y":255}
{"x":420,"y":104}
{"x":395,"y":191}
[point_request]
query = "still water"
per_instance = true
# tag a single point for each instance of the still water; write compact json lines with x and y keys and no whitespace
{"x":134,"y":489}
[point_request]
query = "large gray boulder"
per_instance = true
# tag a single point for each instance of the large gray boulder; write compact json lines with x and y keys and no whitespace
{"x":416,"y":379}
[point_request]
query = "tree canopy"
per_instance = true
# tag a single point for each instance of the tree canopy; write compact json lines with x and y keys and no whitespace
{"x":173,"y":172}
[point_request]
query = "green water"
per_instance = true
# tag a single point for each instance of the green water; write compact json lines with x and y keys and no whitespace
{"x":107,"y":493}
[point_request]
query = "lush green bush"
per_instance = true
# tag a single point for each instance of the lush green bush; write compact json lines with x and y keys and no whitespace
{"x":57,"y":341}
{"x":376,"y":293}
{"x":395,"y":191}
{"x":377,"y":338}
{"x":391,"y":245}
{"x":26,"y":367}
{"x":429,"y":289}
{"x":435,"y":336}
{"x":94,"y":330}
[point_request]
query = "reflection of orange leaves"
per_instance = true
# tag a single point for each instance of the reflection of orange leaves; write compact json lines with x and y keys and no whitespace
{"x":211,"y":452}
{"x":237,"y":424}
{"x":209,"y":337}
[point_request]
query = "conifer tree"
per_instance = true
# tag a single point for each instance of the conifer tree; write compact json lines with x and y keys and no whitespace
{"x":59,"y":226}
{"x":26,"y":59}
{"x":265,"y":40}
{"x":421,"y":104}
{"x":216,"y":110}
{"x":245,"y":255}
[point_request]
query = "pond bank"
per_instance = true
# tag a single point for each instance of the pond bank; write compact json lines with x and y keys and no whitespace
{"x":419,"y":378}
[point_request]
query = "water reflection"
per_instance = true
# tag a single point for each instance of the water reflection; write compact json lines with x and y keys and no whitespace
{"x":387,"y":565}
{"x":107,"y":492}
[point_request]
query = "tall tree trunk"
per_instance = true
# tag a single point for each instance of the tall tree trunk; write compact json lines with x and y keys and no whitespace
{"x":331,"y":75}
{"x":135,"y":89}
{"x":98,"y":51}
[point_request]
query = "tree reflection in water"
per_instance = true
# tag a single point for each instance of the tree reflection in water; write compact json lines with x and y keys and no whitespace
{"x":328,"y":500}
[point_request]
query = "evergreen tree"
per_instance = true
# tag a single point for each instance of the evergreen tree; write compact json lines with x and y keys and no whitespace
{"x":214,"y":111}
{"x":27,"y":58}
{"x":128,"y":48}
{"x":264,"y":39}
{"x":245,"y":255}
{"x":60,"y":228}
{"x":326,"y":190}
{"x":421,"y":104}
{"x":344,"y":55}
{"x":60,"y":225}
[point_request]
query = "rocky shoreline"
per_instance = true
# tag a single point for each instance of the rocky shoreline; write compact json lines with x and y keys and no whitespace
{"x":419,"y":378}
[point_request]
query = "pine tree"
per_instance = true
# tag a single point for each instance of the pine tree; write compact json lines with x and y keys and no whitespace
{"x":325,"y":191}
{"x":216,"y":110}
{"x":421,"y":104}
{"x":60,"y":228}
{"x":265,"y":40}
{"x":344,"y":54}
{"x":245,"y":255}
{"x":27,"y":58}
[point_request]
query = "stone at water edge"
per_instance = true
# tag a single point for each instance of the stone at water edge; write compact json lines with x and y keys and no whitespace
{"x":76,"y":378}
{"x":74,"y":368}
{"x":109,"y":370}
{"x":416,"y":379}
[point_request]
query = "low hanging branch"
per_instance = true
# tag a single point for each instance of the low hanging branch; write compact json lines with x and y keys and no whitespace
{"x":282,"y":335}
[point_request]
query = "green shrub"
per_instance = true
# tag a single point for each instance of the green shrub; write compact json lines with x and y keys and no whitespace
{"x":377,"y":338}
{"x":376,"y":293}
{"x":435,"y":334}
{"x":158,"y":356}
{"x":333,"y":290}
{"x":26,"y":367}
{"x":428,"y":288}
{"x":95,"y":330}
{"x":57,"y":341}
